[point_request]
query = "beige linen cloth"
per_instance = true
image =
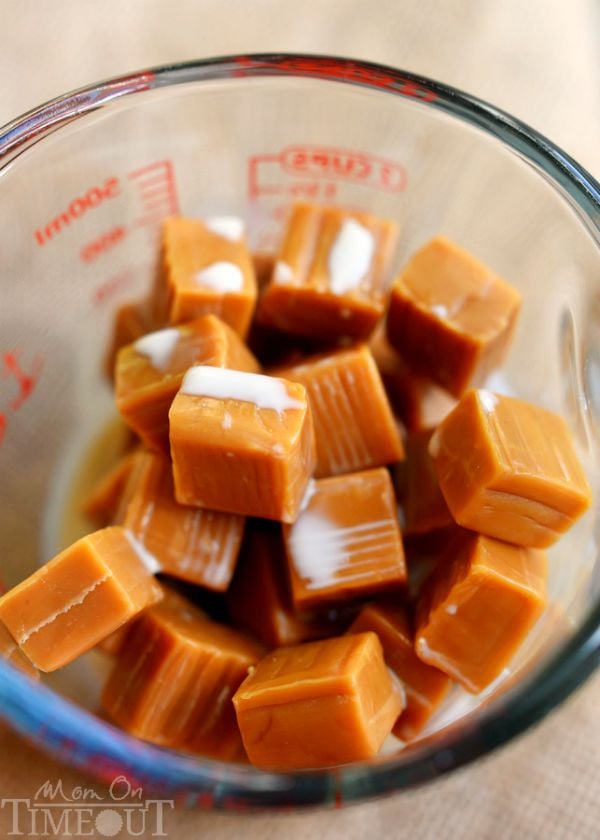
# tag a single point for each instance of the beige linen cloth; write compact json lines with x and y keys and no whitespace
{"x":538,"y":60}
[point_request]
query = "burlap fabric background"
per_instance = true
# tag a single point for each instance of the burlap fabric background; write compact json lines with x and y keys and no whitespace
{"x":538,"y":60}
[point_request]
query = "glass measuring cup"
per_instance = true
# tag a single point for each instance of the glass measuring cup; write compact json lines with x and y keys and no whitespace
{"x":84,"y":183}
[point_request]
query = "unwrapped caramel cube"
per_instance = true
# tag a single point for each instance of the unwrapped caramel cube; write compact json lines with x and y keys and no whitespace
{"x":264,"y":264}
{"x":259,"y":597}
{"x":425,"y":687}
{"x":82,"y":595}
{"x":174,"y":679}
{"x":509,"y":469}
{"x":417,"y":401}
{"x":102,"y":502}
{"x":354,"y":425}
{"x":241,"y":443}
{"x":329,"y":280}
{"x":149,"y":372}
{"x":346,"y":541}
{"x":113,"y":645}
{"x":10,"y":651}
{"x":132,"y":321}
{"x":424,"y":507}
{"x":200,"y":546}
{"x":477,"y":608}
{"x":207,"y":269}
{"x":450,"y":316}
{"x":318,"y":704}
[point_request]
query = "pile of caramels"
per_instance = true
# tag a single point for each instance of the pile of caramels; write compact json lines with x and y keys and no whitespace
{"x":301,"y":426}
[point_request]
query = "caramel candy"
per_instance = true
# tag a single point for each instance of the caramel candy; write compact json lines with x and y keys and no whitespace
{"x":318,"y":704}
{"x":425,"y":687}
{"x":13,"y":654}
{"x":417,"y":401}
{"x":423,"y":552}
{"x":102,"y":502}
{"x":509,"y":469}
{"x":241,"y":443}
{"x":450,"y":317}
{"x":259,"y":597}
{"x":132,"y":321}
{"x":354,"y":424}
{"x":273,"y":347}
{"x":175,"y":678}
{"x":200,"y":546}
{"x":329,"y":280}
{"x":264,"y":264}
{"x":149,"y":372}
{"x":82,"y":595}
{"x":478,"y":607}
{"x":207,"y":269}
{"x":419,"y":493}
{"x":346,"y":541}
{"x":113,"y":645}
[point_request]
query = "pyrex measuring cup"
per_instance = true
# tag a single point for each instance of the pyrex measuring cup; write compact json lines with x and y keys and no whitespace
{"x":84,"y":184}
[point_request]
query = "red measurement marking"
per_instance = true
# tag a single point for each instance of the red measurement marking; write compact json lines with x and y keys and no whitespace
{"x":26,"y":381}
{"x":151,"y":169}
{"x":110,"y":287}
{"x":287,"y":172}
{"x":157,"y":192}
{"x":93,"y":197}
{"x":322,"y":161}
{"x":103,"y":243}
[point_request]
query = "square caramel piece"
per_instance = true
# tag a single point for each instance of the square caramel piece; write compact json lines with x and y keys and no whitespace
{"x":264,"y":263}
{"x":425,"y":687}
{"x":132,"y":320}
{"x":259,"y":597}
{"x":82,"y":595}
{"x":102,"y":502}
{"x":423,"y":504}
{"x":318,"y":704}
{"x":330,"y":276}
{"x":346,"y":542}
{"x":354,"y":424}
{"x":451,"y":317}
{"x":11,"y":652}
{"x":207,"y":269}
{"x":478,"y":606}
{"x":174,"y":679}
{"x":149,"y":372}
{"x":189,"y":543}
{"x":241,"y":443}
{"x":417,"y":401}
{"x":509,"y":469}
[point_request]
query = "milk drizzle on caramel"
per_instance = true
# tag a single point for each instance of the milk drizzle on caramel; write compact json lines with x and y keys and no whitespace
{"x":321,"y":550}
{"x":158,"y":346}
{"x":220,"y":277}
{"x":229,"y":227}
{"x":224,"y":384}
{"x":148,"y":559}
{"x":350,"y":257}
{"x":282,"y":273}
